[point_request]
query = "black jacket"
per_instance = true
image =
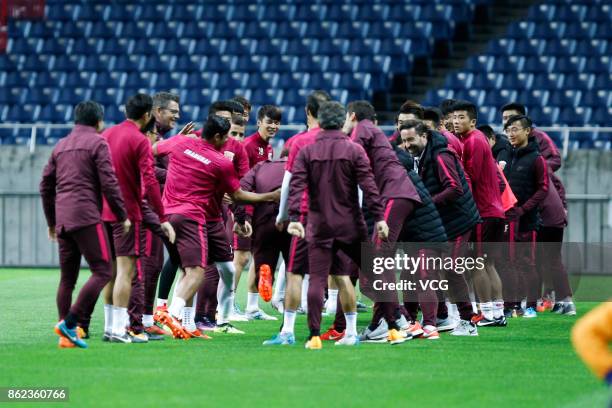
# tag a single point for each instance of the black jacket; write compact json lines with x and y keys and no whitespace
{"x":459,"y":215}
{"x":527,"y":174}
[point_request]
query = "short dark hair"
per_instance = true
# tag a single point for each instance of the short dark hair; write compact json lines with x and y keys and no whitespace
{"x":487,"y":130}
{"x":219,"y":106}
{"x":331,"y":115}
{"x":446,"y":106}
{"x":243,"y":101}
{"x":138,"y":105}
{"x":161,"y":99}
{"x":215,"y":125}
{"x":418,"y":126}
{"x":434,"y":114}
{"x":236,"y":106}
{"x":362,"y":110}
{"x":413,"y":107}
{"x":271,"y":111}
{"x":150,"y":126}
{"x":238,"y":120}
{"x":314,"y":101}
{"x":467,"y":106}
{"x":514,"y":106}
{"x":88,"y":113}
{"x":524,"y":120}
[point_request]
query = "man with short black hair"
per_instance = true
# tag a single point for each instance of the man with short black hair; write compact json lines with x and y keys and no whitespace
{"x":246,"y":105}
{"x":484,"y":180}
{"x":133,"y":162}
{"x":410,"y":110}
{"x":432,"y":117}
{"x":296,"y":266}
{"x":527,"y":174}
{"x":258,"y":149}
{"x":79,"y":173}
{"x":446,"y":107}
{"x":399,"y":194}
{"x":196,"y":174}
{"x":332,"y":168}
{"x":443,"y":176}
{"x":500,"y":146}
{"x":554,"y":218}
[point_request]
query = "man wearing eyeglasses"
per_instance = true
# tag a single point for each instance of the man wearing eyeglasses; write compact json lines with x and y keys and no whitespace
{"x":527,"y":174}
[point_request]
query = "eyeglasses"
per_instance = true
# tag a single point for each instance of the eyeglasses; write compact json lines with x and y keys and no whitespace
{"x":514,"y":130}
{"x":172,"y":111}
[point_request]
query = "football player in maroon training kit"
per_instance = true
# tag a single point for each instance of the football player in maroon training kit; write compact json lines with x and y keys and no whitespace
{"x":133,"y":163}
{"x":78,"y":174}
{"x":258,"y":149}
{"x":332,"y":168}
{"x":484,"y":180}
{"x":399,"y":194}
{"x":297,"y":263}
{"x":197,"y":173}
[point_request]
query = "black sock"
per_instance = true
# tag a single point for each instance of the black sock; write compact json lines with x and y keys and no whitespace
{"x":166,"y":279}
{"x":71,"y":321}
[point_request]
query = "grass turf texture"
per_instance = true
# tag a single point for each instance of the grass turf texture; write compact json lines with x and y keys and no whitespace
{"x":530,"y":363}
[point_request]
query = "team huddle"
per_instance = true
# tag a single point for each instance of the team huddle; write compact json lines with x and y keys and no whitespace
{"x":217,"y":203}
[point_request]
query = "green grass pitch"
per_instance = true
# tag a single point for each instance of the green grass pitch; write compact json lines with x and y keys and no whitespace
{"x":528,"y":364}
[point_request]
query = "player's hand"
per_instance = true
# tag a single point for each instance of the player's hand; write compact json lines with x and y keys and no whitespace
{"x":296,"y":229}
{"x":127,"y":224}
{"x":280,"y":223}
{"x":169,"y":231}
{"x":244,"y":230}
{"x":275,"y":195}
{"x":227,"y":199}
{"x":188,"y":129}
{"x":52,"y":234}
{"x":382,"y":229}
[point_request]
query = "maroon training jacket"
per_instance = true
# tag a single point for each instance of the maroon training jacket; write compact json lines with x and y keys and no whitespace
{"x":332,"y":168}
{"x":78,"y":173}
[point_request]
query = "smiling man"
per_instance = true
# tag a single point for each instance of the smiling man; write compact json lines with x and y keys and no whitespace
{"x":258,"y":145}
{"x":527,"y":174}
{"x":166,"y":111}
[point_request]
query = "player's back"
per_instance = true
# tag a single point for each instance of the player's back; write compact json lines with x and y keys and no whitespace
{"x":126,"y":144}
{"x":78,"y":193}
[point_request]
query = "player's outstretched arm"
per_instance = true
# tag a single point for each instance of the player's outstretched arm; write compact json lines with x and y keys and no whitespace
{"x":247,"y":197}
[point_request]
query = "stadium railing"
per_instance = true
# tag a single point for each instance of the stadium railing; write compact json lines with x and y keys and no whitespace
{"x":561,"y":134}
{"x":24,"y":242}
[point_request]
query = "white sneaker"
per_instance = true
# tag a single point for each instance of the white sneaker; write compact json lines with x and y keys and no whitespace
{"x":348,"y":341}
{"x":259,"y":315}
{"x":227,"y":328}
{"x":235,"y":317}
{"x":278,"y":305}
{"x":403,"y":323}
{"x":378,"y":335}
{"x":465,"y":328}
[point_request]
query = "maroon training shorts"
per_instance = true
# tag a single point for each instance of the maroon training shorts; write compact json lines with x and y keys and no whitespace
{"x":190,"y":241}
{"x":219,"y":247}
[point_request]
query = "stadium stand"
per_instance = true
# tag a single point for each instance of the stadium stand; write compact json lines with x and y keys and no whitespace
{"x":557,"y":61}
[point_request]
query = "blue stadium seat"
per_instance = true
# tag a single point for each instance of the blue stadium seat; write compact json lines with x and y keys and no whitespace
{"x":486,"y":81}
{"x":289,"y":80}
{"x":573,"y":116}
{"x":522,"y":30}
{"x":55,"y":114}
{"x":602,"y":115}
{"x":603,"y":81}
{"x":541,"y":13}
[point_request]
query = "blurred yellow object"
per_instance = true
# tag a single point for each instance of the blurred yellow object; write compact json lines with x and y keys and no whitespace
{"x":591,"y":336}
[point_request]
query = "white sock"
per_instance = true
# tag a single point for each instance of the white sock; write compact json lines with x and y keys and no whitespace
{"x":279,"y":284}
{"x":147,"y":320}
{"x":304,"y":301}
{"x":351,"y":324}
{"x":120,"y":317}
{"x":474,"y":308}
{"x":487,"y":310}
{"x":224,"y":302}
{"x":108,"y":318}
{"x":162,"y":302}
{"x":498,"y":308}
{"x":176,"y":307}
{"x":252,"y":302}
{"x":332,"y":296}
{"x":188,"y":318}
{"x":288,"y":322}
